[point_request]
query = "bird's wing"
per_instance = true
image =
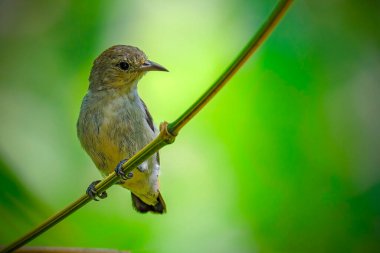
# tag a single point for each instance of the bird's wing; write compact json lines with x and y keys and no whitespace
{"x":149,"y":120}
{"x":148,"y":117}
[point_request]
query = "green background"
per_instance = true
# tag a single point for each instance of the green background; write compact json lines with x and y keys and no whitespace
{"x":285,"y":159}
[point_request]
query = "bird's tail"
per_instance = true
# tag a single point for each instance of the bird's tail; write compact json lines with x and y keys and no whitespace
{"x":142,"y":207}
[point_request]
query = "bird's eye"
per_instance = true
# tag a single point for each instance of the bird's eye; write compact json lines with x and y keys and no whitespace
{"x":124,"y":65}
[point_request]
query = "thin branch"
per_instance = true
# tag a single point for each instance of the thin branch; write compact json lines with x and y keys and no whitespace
{"x":247,"y":52}
{"x":168,"y":132}
{"x":66,"y":250}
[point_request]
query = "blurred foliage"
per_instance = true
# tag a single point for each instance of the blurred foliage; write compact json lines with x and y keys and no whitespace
{"x":285,"y":159}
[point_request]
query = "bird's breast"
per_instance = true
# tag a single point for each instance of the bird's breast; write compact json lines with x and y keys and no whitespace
{"x":113,"y":129}
{"x":124,"y":128}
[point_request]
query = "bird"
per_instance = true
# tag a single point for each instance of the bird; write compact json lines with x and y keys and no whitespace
{"x":114,"y":123}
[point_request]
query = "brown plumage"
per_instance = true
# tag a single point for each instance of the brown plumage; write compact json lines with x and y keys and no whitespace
{"x":114,"y":123}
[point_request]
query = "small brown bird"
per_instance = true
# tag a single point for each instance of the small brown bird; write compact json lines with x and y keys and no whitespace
{"x":114,"y":123}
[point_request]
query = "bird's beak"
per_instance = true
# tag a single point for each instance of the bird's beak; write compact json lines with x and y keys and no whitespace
{"x":152,"y":66}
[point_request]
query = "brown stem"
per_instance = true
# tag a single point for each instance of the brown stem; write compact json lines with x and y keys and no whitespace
{"x":66,"y":250}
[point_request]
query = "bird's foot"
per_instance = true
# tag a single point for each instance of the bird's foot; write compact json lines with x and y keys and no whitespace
{"x":93,"y":194}
{"x":119,"y":171}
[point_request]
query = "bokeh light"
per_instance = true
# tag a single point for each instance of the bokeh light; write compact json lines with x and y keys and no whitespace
{"x":284,"y":159}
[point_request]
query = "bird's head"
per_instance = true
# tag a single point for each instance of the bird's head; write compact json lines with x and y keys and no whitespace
{"x":120,"y":67}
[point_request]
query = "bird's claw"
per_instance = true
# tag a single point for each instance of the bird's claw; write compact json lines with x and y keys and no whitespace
{"x":93,"y":194}
{"x":119,"y":171}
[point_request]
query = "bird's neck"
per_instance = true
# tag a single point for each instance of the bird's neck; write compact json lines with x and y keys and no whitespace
{"x":132,"y":93}
{"x":129,"y":90}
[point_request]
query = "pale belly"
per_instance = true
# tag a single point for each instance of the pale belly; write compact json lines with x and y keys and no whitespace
{"x":118,"y":135}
